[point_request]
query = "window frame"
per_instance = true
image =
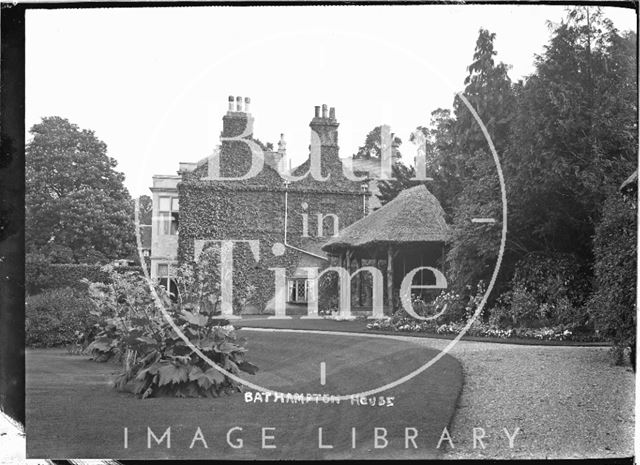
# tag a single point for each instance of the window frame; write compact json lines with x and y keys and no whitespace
{"x":169,"y":223}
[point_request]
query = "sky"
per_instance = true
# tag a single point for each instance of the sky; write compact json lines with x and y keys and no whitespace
{"x":153,"y":83}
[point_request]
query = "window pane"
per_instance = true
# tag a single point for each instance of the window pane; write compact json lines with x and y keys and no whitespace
{"x":301,"y":295}
{"x":165,"y":204}
{"x":174,"y":224}
{"x":292,"y":290}
{"x":165,"y":223}
{"x":174,"y":204}
{"x":163,"y":270}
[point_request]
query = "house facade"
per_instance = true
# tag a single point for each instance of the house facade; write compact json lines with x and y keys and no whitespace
{"x":275,"y":223}
{"x":164,"y":227}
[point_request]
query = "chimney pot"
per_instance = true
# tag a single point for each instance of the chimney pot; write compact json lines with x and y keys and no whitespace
{"x":238,"y":103}
{"x":247,"y":101}
{"x":282,"y":145}
{"x":231,"y":100}
{"x":324,"y":110}
{"x":332,"y":113}
{"x":317,"y":112}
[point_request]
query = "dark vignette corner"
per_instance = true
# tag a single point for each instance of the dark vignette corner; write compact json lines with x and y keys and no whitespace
{"x":12,"y":212}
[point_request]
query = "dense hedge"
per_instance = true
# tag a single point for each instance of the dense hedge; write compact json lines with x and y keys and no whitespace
{"x":58,"y":317}
{"x":614,"y":301}
{"x":41,"y":275}
{"x":545,"y":291}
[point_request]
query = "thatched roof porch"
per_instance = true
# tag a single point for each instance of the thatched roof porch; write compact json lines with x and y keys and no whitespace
{"x":408,"y":232}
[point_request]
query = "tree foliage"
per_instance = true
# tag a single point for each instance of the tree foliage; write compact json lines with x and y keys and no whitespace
{"x":470,"y":164}
{"x":565,"y":136}
{"x":146,"y":209}
{"x":156,"y":361}
{"x":76,"y":203}
{"x":614,"y":301}
{"x":372,"y":147}
{"x":401,"y":179}
{"x":574,"y":137}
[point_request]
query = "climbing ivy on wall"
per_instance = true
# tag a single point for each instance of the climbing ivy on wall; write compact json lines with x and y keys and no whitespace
{"x":224,"y":211}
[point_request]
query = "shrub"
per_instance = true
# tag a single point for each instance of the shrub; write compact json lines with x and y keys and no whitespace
{"x":57,"y":253}
{"x":205,"y":275}
{"x":523,"y":308}
{"x":156,"y":361}
{"x":58,"y":317}
{"x":449,"y":306}
{"x":328,"y":293}
{"x":544,"y":291}
{"x":550,"y":277}
{"x":512,"y":317}
{"x":613,"y":302}
{"x":455,"y":307}
{"x":41,"y":274}
{"x":36,"y":273}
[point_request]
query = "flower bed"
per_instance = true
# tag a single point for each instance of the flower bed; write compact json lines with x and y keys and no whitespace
{"x":450,"y":313}
{"x":480,"y":329}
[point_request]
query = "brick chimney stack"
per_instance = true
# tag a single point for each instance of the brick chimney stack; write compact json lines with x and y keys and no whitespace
{"x":235,"y":156}
{"x":325,"y":126}
{"x":237,"y":121}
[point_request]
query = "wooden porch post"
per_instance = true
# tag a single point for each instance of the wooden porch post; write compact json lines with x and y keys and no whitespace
{"x":359,"y":282}
{"x":348,"y":266}
{"x":377,"y":264}
{"x":390,"y":278}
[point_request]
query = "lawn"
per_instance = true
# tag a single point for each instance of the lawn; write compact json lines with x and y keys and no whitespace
{"x":73,"y":412}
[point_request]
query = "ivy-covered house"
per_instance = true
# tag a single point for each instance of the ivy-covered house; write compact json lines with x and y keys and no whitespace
{"x":290,"y":219}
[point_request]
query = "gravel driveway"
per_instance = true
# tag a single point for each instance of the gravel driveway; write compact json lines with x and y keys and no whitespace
{"x":569,"y":402}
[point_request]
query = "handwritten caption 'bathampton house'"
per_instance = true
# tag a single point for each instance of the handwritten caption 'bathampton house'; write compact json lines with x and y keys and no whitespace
{"x":315,"y":399}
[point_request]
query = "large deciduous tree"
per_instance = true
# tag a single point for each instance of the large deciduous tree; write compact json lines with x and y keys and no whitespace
{"x":146,"y":209}
{"x":76,"y":203}
{"x":372,"y":147}
{"x":401,"y":179}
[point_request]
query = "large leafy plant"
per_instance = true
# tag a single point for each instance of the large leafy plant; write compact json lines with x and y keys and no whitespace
{"x":156,"y":360}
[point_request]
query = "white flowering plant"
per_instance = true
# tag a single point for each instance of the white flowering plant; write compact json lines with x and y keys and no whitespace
{"x":453,"y":324}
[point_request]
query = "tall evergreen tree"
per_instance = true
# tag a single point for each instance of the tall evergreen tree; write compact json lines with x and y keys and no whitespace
{"x":575,"y":135}
{"x":488,"y":90}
